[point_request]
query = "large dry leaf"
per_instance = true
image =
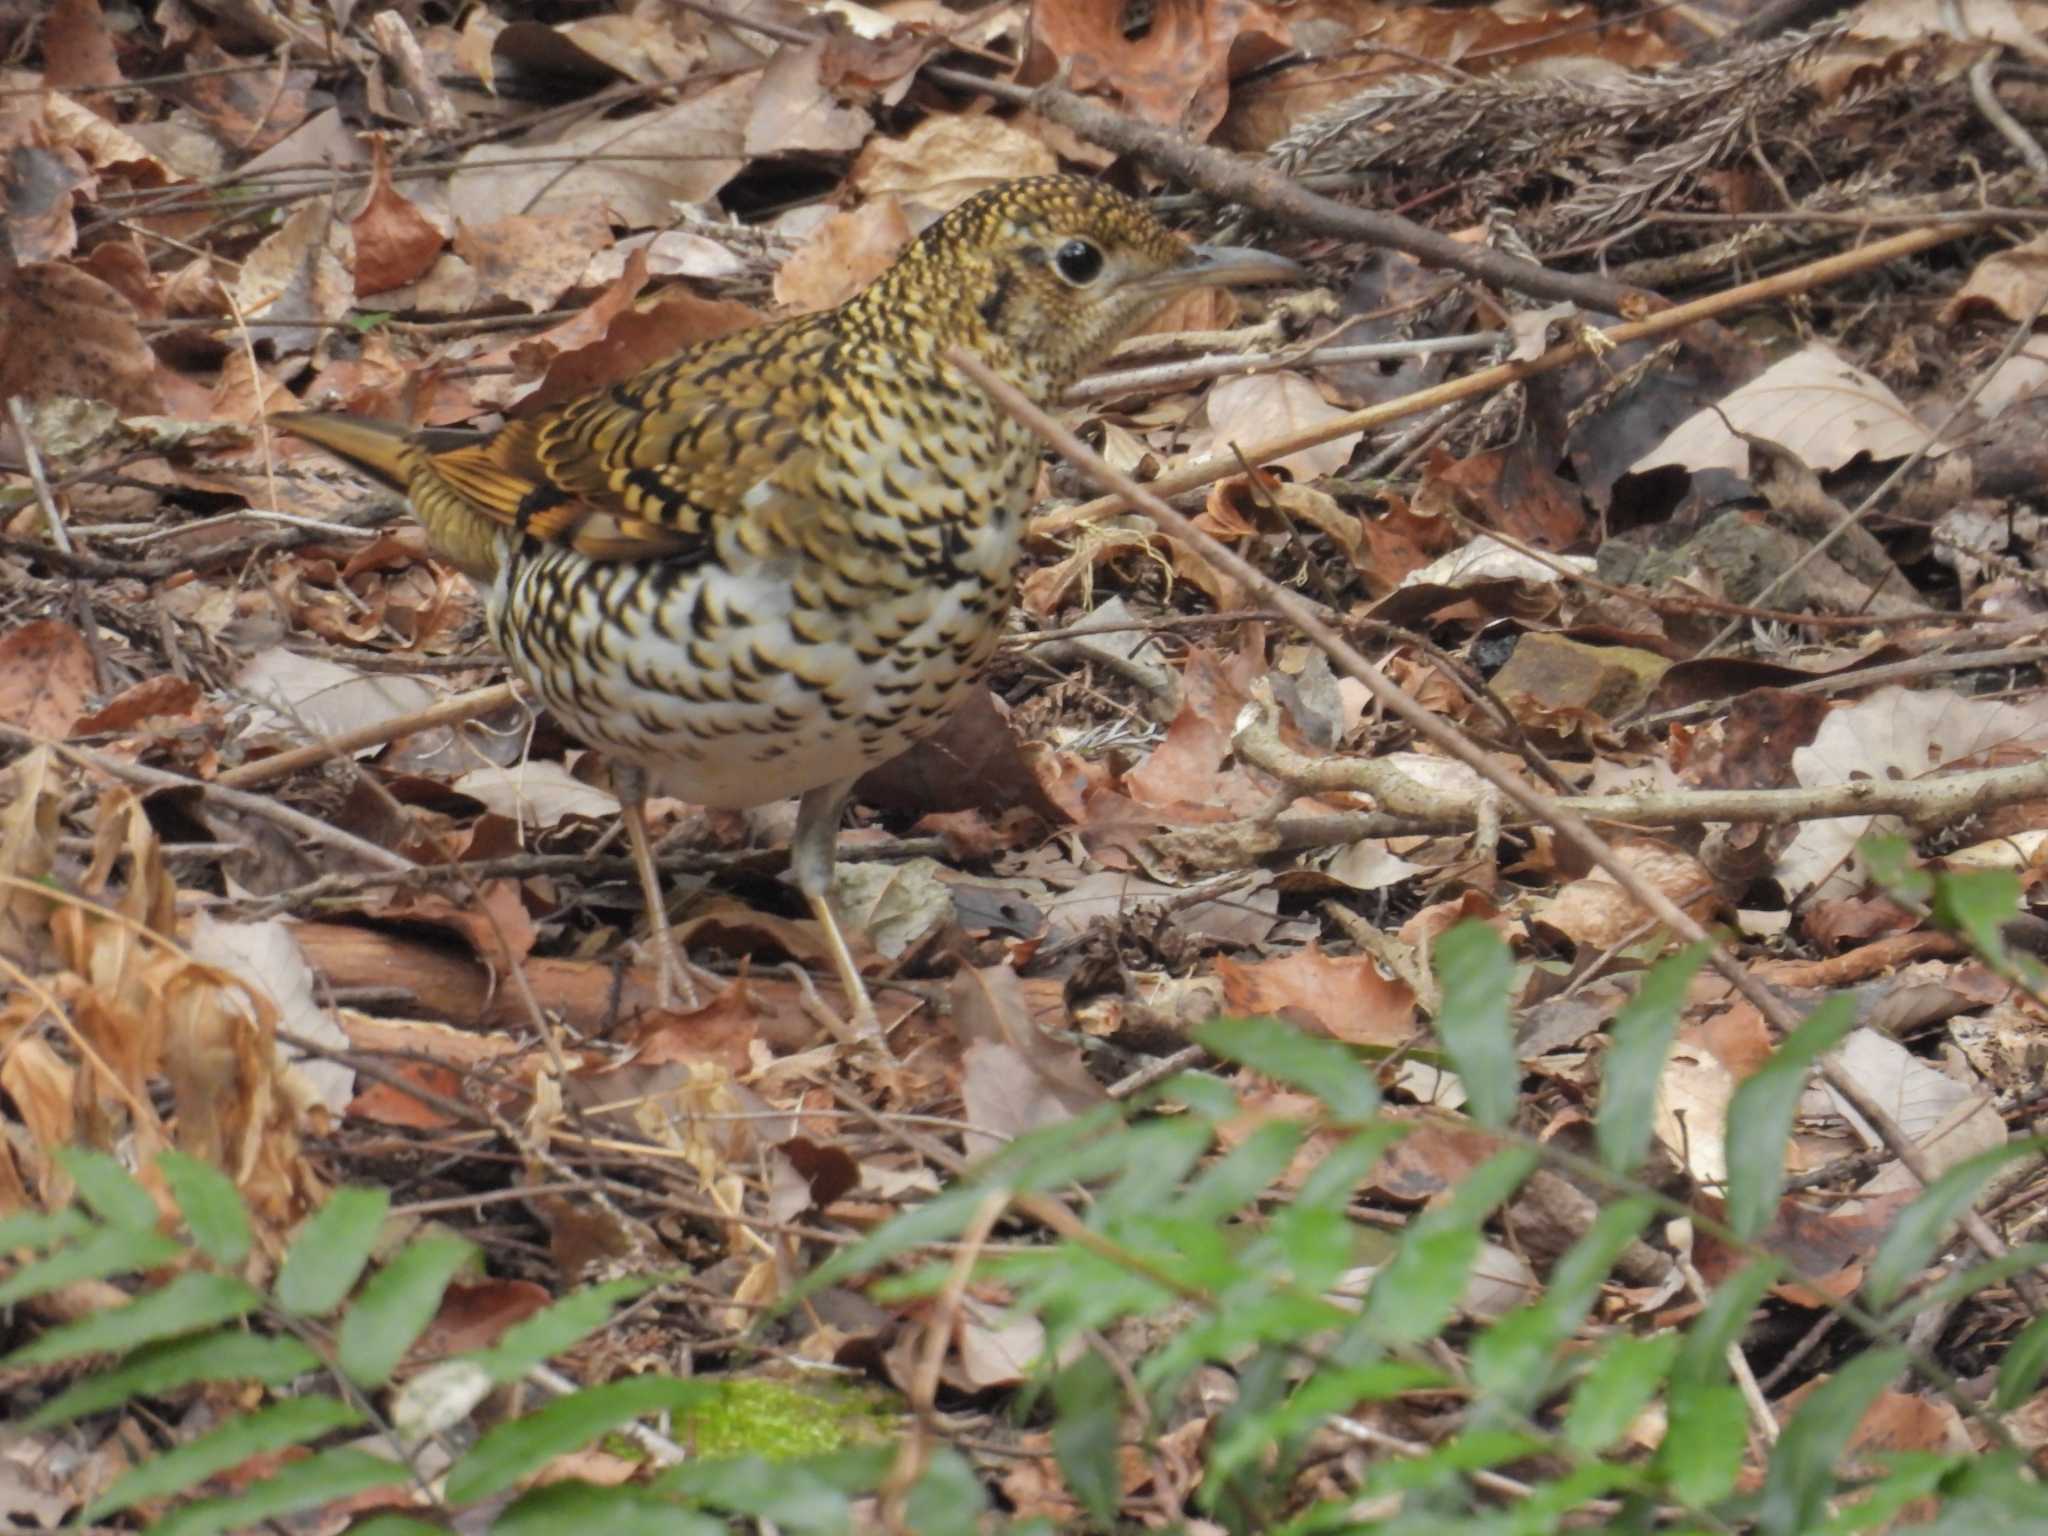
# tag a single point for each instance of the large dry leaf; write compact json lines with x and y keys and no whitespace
{"x":1347,"y":997}
{"x":794,"y":112}
{"x":2008,"y":285}
{"x":1950,"y":1121}
{"x":533,"y":260}
{"x":1018,"y":1078}
{"x":1818,"y":408}
{"x":537,"y":794}
{"x":46,"y":676}
{"x":395,"y":242}
{"x":1262,"y":406}
{"x":311,"y":695}
{"x":1896,"y":733}
{"x":1177,"y":73}
{"x":948,"y":158}
{"x":298,"y":281}
{"x":842,"y":256}
{"x":68,"y":333}
{"x":638,"y":168}
{"x":1596,"y":913}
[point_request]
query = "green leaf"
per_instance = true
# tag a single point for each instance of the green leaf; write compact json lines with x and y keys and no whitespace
{"x":1801,"y":1476}
{"x":211,"y":1206}
{"x":1989,"y":1494}
{"x":1892,"y":865}
{"x":1199,"y":1093}
{"x":1150,"y":1180}
{"x":1703,"y":1358}
{"x":1954,"y":1287}
{"x":297,"y":1485}
{"x":189,"y":1303}
{"x":395,"y":1307}
{"x":1978,"y":904}
{"x":1627,"y":1376}
{"x":1417,"y":1293}
{"x":328,"y":1255}
{"x":1084,"y":1434}
{"x":159,"y":1369}
{"x":1077,"y":1151}
{"x":948,"y":1500}
{"x":1473,"y":1450}
{"x":109,"y":1189}
{"x":574,"y":1505}
{"x":1242,"y":1439}
{"x":36,"y":1230}
{"x":1474,"y":969}
{"x":1908,"y":1476}
{"x":1326,"y":1068}
{"x":1760,"y":1116}
{"x":1237,"y":1179}
{"x":105,"y":1251}
{"x":813,"y":1495}
{"x":1925,"y":1224}
{"x":519,"y":1447}
{"x":1706,"y":1437}
{"x":555,"y":1329}
{"x":396,"y":1525}
{"x":2019,"y":1368}
{"x":1641,"y":1034}
{"x":293,"y":1421}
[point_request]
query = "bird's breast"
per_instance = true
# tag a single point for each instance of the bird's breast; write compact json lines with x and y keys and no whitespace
{"x":761,"y":674}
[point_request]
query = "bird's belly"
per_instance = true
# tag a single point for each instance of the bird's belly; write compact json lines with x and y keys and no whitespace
{"x":723,"y":685}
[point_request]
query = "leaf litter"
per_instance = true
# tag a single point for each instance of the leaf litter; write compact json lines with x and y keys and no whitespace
{"x":1587,"y":573}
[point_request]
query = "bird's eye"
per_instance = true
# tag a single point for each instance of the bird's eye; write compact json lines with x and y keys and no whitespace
{"x":1078,"y":262}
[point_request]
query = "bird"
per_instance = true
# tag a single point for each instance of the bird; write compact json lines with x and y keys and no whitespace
{"x":779,"y":558}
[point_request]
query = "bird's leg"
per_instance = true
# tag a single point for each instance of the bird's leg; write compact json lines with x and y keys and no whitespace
{"x":810,"y":857}
{"x":672,"y":985}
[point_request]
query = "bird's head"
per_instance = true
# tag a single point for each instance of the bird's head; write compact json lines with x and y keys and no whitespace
{"x":1045,"y":275}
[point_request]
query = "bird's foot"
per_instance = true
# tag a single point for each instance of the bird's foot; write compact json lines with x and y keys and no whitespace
{"x":865,"y":1027}
{"x":675,"y":978}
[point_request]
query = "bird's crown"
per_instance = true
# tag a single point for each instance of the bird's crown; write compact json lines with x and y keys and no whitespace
{"x":1043,"y":274}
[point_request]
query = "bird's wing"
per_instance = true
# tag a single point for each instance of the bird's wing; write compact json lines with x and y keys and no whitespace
{"x":648,"y":468}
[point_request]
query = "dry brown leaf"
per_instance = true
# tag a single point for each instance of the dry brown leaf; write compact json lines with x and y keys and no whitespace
{"x":394,"y":241}
{"x":1177,"y":74}
{"x":795,"y":112}
{"x":41,"y":203}
{"x":68,"y":333}
{"x":1815,"y":406}
{"x":78,"y":49}
{"x":612,"y":339}
{"x":946,"y":159}
{"x":533,"y":259}
{"x":1346,"y":997}
{"x":298,"y":279}
{"x":1596,"y":913}
{"x":46,"y":676}
{"x":2007,"y":285}
{"x":30,"y":797}
{"x":1017,"y":1078}
{"x":630,"y":167}
{"x":1261,"y":406}
{"x":842,"y":256}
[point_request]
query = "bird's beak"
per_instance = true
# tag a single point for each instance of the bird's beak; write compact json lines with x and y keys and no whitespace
{"x":1228,"y":266}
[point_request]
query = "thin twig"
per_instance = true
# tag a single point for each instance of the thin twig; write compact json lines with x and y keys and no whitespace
{"x":60,"y":539}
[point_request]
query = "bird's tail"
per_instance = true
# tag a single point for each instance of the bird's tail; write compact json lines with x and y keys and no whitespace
{"x":391,"y":455}
{"x":377,"y":448}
